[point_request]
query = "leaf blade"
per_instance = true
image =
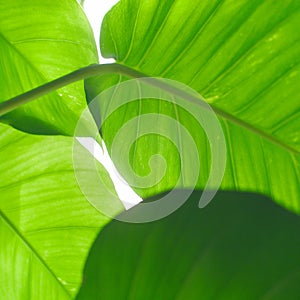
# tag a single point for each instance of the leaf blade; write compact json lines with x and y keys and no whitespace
{"x":243,"y":58}
{"x":48,"y":217}
{"x":39,"y":49}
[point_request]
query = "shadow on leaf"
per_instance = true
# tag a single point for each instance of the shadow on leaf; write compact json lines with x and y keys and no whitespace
{"x":241,"y":246}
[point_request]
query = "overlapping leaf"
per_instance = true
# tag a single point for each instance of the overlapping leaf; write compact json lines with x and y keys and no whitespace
{"x":243,"y":58}
{"x":46,"y":223}
{"x":242,"y":246}
{"x":41,"y":41}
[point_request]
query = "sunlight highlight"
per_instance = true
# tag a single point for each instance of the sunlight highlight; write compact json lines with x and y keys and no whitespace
{"x":95,"y":11}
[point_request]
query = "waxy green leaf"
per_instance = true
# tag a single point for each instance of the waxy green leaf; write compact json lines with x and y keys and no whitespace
{"x":46,"y":224}
{"x":39,"y":42}
{"x":243,"y":58}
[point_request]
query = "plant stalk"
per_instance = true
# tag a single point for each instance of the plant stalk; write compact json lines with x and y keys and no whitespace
{"x":83,"y":73}
{"x":97,"y":69}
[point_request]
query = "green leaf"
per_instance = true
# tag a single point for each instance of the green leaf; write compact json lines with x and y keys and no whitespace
{"x":242,"y":246}
{"x":41,"y":41}
{"x":46,"y":224}
{"x":243,"y":58}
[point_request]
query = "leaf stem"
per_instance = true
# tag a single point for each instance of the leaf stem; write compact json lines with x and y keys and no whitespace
{"x":97,"y":69}
{"x":83,"y":73}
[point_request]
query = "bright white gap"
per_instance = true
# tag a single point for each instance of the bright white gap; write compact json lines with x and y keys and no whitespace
{"x":128,"y":197}
{"x":95,"y":11}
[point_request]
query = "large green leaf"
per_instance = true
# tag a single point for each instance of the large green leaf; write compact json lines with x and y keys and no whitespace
{"x":242,"y":57}
{"x":242,"y":246}
{"x":46,"y":224}
{"x":40,"y":41}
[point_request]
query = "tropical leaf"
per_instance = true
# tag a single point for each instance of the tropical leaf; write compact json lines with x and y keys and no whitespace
{"x":46,"y":224}
{"x":41,"y":41}
{"x":242,"y":246}
{"x":242,"y":57}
